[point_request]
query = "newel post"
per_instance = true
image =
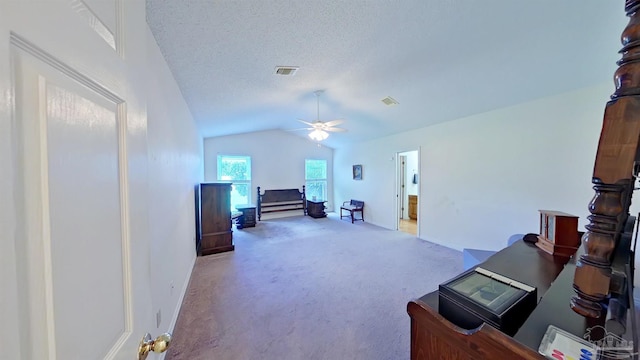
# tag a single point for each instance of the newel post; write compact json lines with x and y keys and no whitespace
{"x":613,"y":175}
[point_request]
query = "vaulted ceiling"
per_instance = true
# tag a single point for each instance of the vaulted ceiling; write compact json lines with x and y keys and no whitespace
{"x":440,"y":59}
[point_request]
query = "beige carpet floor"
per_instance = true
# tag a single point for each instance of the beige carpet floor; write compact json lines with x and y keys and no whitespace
{"x":304,"y":288}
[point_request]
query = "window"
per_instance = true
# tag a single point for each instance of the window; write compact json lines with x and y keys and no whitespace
{"x":237,"y":170}
{"x":315,"y":174}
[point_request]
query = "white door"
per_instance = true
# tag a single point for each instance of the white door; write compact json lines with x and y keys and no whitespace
{"x":74,"y":235}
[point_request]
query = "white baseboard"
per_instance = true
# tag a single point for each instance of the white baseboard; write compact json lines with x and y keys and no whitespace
{"x":176,"y":312}
{"x":185,"y":286}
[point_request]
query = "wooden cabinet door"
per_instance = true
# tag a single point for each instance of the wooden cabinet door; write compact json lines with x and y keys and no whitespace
{"x":215,"y":218}
{"x":413,"y":207}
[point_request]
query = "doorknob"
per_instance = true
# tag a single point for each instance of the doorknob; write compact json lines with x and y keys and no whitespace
{"x":159,"y":345}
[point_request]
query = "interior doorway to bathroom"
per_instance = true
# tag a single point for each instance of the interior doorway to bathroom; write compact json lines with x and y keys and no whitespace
{"x":408,"y":181}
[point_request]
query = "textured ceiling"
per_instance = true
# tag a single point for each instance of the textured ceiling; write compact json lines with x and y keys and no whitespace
{"x":440,"y":59}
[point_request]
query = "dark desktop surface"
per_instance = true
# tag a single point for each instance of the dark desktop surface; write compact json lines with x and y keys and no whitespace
{"x":553,"y":278}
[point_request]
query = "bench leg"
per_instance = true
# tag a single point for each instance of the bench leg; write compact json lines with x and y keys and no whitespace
{"x":352,"y":216}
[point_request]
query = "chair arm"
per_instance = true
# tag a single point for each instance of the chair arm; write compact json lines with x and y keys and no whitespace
{"x":346,"y":202}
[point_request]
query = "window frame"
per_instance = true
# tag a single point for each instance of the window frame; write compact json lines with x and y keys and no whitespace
{"x":324,"y":180}
{"x":247,"y":158}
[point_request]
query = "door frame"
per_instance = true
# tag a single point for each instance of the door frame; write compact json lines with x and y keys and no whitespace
{"x":402,"y":187}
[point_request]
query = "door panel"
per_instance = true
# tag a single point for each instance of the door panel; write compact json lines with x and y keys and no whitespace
{"x":84,"y":198}
{"x":73,"y":195}
{"x":78,"y":236}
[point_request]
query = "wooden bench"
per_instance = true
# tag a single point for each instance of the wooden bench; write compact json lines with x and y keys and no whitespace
{"x":281,"y":200}
{"x":352,"y":206}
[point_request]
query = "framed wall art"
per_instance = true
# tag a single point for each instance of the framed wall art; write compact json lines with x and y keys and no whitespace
{"x":357,"y":172}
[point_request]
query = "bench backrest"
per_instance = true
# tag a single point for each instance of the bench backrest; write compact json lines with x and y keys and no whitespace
{"x":357,"y":203}
{"x":281,"y":195}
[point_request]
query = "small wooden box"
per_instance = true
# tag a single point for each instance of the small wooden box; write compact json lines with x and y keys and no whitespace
{"x":558,"y":233}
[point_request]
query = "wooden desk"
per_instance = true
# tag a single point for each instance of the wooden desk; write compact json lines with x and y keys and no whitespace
{"x":434,"y":337}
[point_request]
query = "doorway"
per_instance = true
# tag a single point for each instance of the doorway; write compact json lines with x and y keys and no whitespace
{"x":407,"y":189}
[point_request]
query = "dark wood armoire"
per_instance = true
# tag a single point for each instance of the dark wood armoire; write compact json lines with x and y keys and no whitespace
{"x":213,"y":218}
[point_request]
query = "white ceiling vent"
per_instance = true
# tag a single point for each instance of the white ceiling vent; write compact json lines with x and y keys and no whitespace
{"x":286,"y":70}
{"x":389,"y":101}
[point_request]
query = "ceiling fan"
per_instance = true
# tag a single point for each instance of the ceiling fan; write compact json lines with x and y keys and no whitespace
{"x":319,"y":129}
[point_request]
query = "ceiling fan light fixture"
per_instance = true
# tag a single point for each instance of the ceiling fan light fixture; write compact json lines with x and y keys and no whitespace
{"x":320,"y":130}
{"x":318,"y":135}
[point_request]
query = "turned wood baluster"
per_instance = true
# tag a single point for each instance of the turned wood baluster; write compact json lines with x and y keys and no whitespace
{"x":613,"y":175}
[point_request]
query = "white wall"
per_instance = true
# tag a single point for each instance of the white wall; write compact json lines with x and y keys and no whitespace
{"x":174,"y":164}
{"x":485,"y":177}
{"x":277,"y":159}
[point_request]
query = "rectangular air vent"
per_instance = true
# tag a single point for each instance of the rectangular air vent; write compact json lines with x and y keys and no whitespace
{"x":286,"y":70}
{"x":389,"y":101}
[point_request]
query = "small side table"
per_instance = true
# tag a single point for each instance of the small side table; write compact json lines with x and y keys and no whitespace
{"x":248,"y":217}
{"x":315,"y":208}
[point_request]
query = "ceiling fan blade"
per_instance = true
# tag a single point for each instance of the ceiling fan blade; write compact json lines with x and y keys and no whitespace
{"x":319,"y":127}
{"x":300,"y":129}
{"x":333,"y":122}
{"x":305,"y":122}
